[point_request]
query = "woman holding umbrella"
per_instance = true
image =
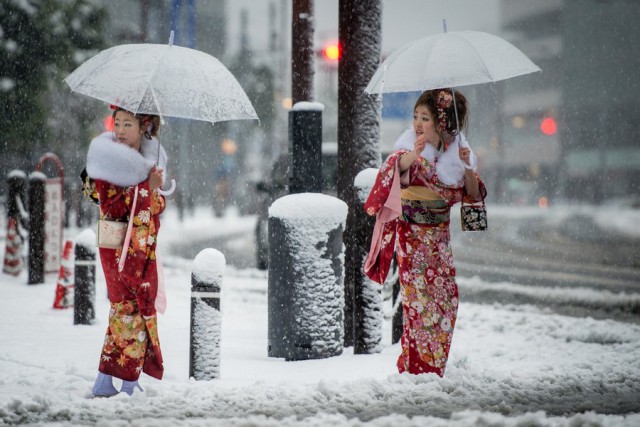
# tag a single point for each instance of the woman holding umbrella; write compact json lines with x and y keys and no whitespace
{"x":432,"y":170}
{"x":122,"y":167}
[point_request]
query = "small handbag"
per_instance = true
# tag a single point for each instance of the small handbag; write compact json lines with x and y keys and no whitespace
{"x":111,"y":233}
{"x":473,"y":216}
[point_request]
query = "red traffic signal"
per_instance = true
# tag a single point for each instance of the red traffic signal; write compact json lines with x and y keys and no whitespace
{"x":548,"y":126}
{"x":108,"y":123}
{"x":332,"y":51}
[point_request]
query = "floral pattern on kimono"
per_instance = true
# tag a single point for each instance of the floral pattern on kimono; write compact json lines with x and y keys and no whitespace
{"x":425,"y":262}
{"x":131,"y":344}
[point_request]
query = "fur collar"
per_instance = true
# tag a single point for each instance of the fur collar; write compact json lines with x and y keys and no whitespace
{"x":449,"y":166}
{"x":120,"y":164}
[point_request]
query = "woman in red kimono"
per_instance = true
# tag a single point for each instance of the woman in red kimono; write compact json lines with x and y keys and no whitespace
{"x":432,"y":169}
{"x":120,"y":163}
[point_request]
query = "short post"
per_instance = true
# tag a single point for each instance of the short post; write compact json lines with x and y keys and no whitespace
{"x":305,"y":147}
{"x":367,"y":302}
{"x":36,"y":227}
{"x":306,"y":276}
{"x":84,"y":295}
{"x":206,"y":320}
{"x":16,"y":218}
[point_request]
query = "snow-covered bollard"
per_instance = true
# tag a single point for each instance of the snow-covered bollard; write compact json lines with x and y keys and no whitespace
{"x":206,"y":320}
{"x":17,"y":182}
{"x":367,"y":304}
{"x":36,"y":227}
{"x":84,"y":270}
{"x":306,"y":276}
{"x":305,"y":130}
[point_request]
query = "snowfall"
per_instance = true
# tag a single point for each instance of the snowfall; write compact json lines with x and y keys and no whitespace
{"x":509,"y":365}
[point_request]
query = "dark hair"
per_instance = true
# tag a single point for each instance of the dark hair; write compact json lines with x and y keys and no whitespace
{"x":144,"y":120}
{"x":429,"y":98}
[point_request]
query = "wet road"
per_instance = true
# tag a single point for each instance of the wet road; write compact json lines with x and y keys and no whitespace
{"x":550,"y":254}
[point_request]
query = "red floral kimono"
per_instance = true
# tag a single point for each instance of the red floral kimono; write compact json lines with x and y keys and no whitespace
{"x":418,"y":233}
{"x":131,"y":344}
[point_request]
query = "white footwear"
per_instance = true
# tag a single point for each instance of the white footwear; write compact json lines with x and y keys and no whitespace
{"x":103,"y":386}
{"x":129,"y":386}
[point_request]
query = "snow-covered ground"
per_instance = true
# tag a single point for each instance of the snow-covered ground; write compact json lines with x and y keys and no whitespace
{"x":509,"y":365}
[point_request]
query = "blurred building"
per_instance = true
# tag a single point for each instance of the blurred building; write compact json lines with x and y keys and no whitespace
{"x":571,"y":132}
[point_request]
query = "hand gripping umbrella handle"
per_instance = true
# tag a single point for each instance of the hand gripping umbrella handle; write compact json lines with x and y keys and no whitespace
{"x":169,"y":191}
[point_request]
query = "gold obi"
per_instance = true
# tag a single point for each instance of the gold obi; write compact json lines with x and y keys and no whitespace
{"x":420,"y":205}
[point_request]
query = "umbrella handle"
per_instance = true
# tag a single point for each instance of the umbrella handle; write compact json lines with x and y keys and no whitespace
{"x":169,"y":191}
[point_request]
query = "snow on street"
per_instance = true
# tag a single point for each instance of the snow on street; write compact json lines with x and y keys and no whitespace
{"x":509,"y":364}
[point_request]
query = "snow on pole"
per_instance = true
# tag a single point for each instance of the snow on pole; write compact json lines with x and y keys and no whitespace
{"x":206,"y":320}
{"x":36,"y":227}
{"x":13,"y":263}
{"x":367,"y":303}
{"x":84,"y":291}
{"x":306,"y":275}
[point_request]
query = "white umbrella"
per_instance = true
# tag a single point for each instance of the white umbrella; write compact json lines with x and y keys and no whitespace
{"x":164,"y":80}
{"x":447,"y":60}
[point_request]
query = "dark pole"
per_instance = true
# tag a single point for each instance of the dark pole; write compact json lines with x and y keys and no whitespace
{"x":84,"y":293}
{"x":302,"y":57}
{"x":358,"y":131}
{"x":305,"y":151}
{"x":36,"y":227}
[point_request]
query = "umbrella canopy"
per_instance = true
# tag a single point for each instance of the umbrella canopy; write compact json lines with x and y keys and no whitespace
{"x":449,"y":59}
{"x":164,"y":80}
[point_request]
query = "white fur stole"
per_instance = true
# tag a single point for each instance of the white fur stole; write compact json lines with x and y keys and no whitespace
{"x":449,"y":166}
{"x":120,"y":164}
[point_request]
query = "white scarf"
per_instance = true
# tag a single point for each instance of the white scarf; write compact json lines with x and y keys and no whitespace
{"x":120,"y":164}
{"x":449,"y":166}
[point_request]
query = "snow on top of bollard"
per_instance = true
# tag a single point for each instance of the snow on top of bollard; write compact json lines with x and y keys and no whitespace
{"x":209,"y":266}
{"x":309,"y":206}
{"x":16,"y":172}
{"x":37,"y":175}
{"x":308,"y":106}
{"x":87,"y":239}
{"x":364,"y":182}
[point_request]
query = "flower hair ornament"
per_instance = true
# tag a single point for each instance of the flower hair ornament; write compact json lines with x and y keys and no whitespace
{"x":443,"y":105}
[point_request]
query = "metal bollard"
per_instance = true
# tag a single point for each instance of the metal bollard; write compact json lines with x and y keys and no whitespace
{"x":84,"y":295}
{"x":305,"y":147}
{"x":367,"y":300}
{"x":306,"y":272}
{"x":36,"y":227}
{"x":206,"y":320}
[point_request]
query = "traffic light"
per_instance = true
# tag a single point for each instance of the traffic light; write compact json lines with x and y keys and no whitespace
{"x":108,"y":123}
{"x":331,"y":52}
{"x":548,"y":126}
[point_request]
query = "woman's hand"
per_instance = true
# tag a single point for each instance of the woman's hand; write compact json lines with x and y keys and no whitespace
{"x":155,"y":178}
{"x":465,"y":155}
{"x":418,"y":147}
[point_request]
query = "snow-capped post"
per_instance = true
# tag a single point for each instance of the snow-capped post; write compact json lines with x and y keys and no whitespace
{"x":306,"y":273}
{"x":206,"y":320}
{"x":305,"y":149}
{"x":36,"y":227}
{"x":367,"y":300}
{"x":16,"y":219}
{"x":84,"y":294}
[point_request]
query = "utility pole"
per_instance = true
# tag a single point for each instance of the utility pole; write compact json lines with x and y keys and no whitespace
{"x":360,"y":28}
{"x":302,"y":55}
